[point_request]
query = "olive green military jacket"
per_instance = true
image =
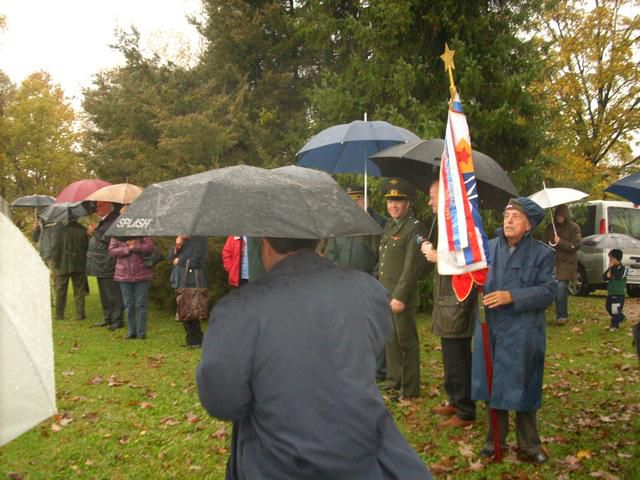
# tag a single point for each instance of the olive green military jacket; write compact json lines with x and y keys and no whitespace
{"x":401,"y":263}
{"x":69,"y":249}
{"x":451,"y":318}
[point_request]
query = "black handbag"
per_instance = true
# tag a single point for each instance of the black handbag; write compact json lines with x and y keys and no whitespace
{"x":191,"y":303}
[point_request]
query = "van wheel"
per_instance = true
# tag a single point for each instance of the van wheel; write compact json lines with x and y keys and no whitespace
{"x":633,"y":290}
{"x":579,"y":286}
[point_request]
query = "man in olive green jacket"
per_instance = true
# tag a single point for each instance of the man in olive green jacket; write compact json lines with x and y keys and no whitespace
{"x":453,"y":321}
{"x":401,"y":265}
{"x":69,"y":256}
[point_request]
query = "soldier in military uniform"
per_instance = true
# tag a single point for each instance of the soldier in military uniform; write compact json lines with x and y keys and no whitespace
{"x":401,"y":265}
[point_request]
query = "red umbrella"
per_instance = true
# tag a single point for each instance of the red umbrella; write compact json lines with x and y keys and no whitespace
{"x":80,"y":190}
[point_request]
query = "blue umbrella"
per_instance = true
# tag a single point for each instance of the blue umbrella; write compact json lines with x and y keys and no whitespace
{"x":345,"y":148}
{"x":628,"y":188}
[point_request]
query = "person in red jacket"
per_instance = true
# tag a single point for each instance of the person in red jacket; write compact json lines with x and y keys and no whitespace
{"x":232,"y":255}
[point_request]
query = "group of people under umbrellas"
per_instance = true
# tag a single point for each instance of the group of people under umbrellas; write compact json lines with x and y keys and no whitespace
{"x":291,"y":358}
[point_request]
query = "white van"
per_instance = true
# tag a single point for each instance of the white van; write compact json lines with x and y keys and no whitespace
{"x":605,"y":216}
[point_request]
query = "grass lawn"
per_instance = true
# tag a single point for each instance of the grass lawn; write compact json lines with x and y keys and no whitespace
{"x":128,"y":409}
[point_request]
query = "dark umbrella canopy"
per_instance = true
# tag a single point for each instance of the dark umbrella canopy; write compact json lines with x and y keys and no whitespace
{"x":33,"y":201}
{"x":345,"y":148}
{"x":305,"y":174}
{"x":61,"y":212}
{"x":419,"y":163}
{"x":244,"y":200}
{"x":627,"y":187}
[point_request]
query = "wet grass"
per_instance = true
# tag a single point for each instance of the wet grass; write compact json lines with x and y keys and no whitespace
{"x":128,"y":409}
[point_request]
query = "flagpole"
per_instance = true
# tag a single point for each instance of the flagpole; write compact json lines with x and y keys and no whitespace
{"x":447,"y":58}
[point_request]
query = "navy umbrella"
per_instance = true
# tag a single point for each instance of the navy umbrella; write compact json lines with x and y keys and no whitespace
{"x":346,"y":148}
{"x":628,"y":188}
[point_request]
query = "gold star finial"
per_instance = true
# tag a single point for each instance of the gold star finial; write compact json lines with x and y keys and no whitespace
{"x":447,"y":58}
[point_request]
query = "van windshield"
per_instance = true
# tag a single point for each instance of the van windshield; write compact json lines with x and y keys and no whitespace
{"x":624,"y":220}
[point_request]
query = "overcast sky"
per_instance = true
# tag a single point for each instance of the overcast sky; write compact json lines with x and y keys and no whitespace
{"x":70,"y":38}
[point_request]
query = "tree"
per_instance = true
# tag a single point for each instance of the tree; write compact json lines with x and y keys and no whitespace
{"x":383,"y":57}
{"x":593,"y":81}
{"x":38,"y":140}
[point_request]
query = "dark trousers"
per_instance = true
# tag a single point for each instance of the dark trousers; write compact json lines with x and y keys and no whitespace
{"x":111,"y":300}
{"x":614,"y":306}
{"x":526,"y":431}
{"x":403,"y":354}
{"x":194,"y":332}
{"x":78,"y":279}
{"x":456,"y":357}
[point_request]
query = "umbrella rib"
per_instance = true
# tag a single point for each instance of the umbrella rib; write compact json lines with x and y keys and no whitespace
{"x":49,"y":395}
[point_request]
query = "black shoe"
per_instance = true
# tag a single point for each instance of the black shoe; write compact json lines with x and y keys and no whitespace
{"x":538,"y":458}
{"x":130,"y":337}
{"x":142,"y":337}
{"x":197,"y":345}
{"x":488,"y":452}
{"x":115,"y":326}
{"x":81,"y":317}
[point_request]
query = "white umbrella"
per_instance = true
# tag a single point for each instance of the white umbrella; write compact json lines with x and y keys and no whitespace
{"x":27,"y":388}
{"x":552,"y":197}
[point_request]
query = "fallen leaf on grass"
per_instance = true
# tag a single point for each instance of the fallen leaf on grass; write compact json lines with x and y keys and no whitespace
{"x":95,"y":380}
{"x":192,"y":417}
{"x":14,"y":476}
{"x":465,"y":450}
{"x":194,"y":468}
{"x":445,"y":465}
{"x":476,"y":466}
{"x":583,"y":454}
{"x":169,"y":421}
{"x":151,"y":394}
{"x":115,"y":381}
{"x":605,"y":475}
{"x":124,"y":440}
{"x":68,"y":374}
{"x":433,"y":392}
{"x":142,"y":405}
{"x":221,"y":433}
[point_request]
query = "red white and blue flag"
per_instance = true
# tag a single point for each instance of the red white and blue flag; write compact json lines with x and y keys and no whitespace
{"x":463,"y":246}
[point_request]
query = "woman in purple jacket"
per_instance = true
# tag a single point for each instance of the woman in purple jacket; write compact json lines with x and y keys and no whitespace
{"x":134,"y":277}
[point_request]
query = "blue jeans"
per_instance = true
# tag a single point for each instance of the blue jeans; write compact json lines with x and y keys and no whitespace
{"x":134,"y":296}
{"x":562,"y":299}
{"x":614,"y":306}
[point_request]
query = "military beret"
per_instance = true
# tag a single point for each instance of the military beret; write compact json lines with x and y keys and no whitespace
{"x":533,"y":211}
{"x":398,"y":189}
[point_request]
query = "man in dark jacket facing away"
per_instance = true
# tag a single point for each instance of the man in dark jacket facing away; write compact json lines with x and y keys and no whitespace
{"x":566,"y":240}
{"x":69,"y":256}
{"x":264,"y":366}
{"x":453,"y":321}
{"x":519,"y":287}
{"x":102,"y":265}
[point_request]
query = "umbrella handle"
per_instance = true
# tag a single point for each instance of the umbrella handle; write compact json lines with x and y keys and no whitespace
{"x":555,"y":232}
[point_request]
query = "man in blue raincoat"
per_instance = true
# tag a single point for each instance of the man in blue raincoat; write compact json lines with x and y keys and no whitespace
{"x":520,"y":285}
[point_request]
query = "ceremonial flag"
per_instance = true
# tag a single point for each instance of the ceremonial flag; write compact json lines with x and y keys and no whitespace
{"x":463,"y":246}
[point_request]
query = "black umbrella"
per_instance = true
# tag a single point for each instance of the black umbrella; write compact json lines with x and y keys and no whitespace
{"x":305,"y":174}
{"x":244,"y":200}
{"x":61,"y":212}
{"x":33,"y":201}
{"x":419,"y":162}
